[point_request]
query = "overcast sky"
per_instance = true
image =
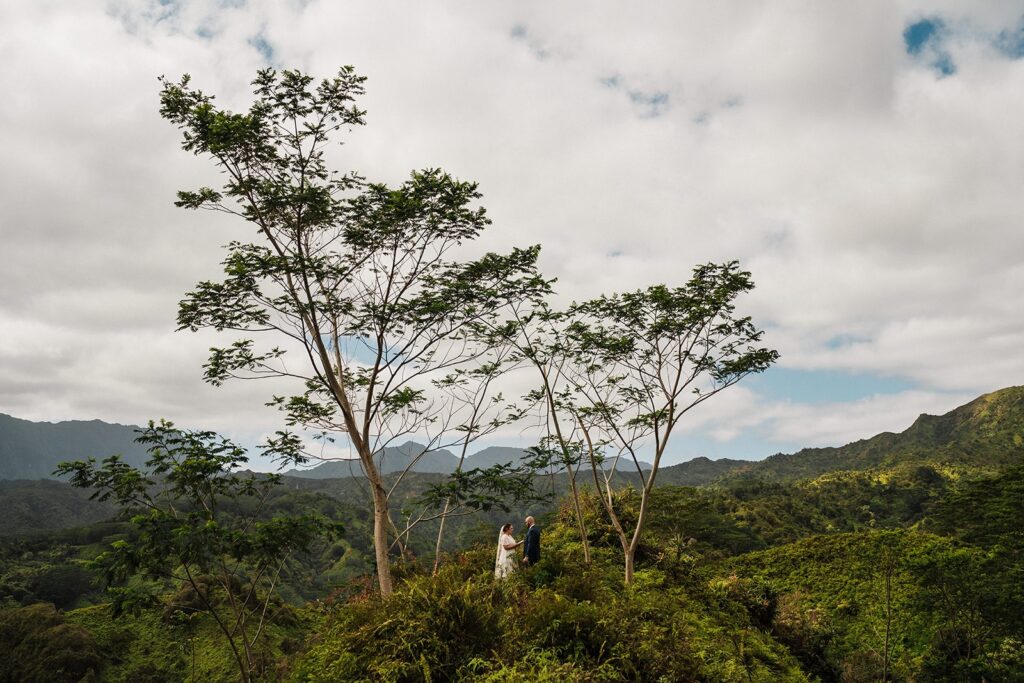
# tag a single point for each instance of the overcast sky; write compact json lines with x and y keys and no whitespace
{"x":863,"y":159}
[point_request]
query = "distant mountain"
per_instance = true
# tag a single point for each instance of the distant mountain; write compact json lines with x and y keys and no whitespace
{"x":393,"y":459}
{"x":398,"y":458}
{"x":495,"y":455}
{"x":699,"y":471}
{"x":986,"y":434}
{"x":31,"y":450}
{"x":500,"y":455}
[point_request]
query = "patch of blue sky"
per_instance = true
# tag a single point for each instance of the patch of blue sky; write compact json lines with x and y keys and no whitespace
{"x":816,"y":387}
{"x":943,"y":63}
{"x":917,"y":35}
{"x":842,"y":340}
{"x":925,"y":39}
{"x":1011,"y":42}
{"x":362,"y":351}
{"x":263,"y":47}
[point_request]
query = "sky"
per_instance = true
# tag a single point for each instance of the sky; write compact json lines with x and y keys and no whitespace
{"x":865,"y":161}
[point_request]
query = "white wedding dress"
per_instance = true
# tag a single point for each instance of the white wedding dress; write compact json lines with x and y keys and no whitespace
{"x":505,"y":562}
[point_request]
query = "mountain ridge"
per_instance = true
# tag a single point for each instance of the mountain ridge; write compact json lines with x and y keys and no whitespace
{"x":410,"y":455}
{"x":986,"y":433}
{"x":32,"y":450}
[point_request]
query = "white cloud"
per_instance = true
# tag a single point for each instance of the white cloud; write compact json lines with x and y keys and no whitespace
{"x":837,"y":424}
{"x":873,"y":201}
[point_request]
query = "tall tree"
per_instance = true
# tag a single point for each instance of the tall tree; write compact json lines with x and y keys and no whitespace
{"x":187,"y":532}
{"x":358,"y":278}
{"x":643,"y":360}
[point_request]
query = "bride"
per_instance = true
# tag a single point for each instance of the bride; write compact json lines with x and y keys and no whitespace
{"x":505,"y":563}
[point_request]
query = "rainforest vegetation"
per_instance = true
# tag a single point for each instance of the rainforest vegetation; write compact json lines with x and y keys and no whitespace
{"x":912,"y":572}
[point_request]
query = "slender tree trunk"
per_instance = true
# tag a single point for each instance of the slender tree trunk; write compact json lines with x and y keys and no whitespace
{"x":240,"y":618}
{"x":567,"y":460}
{"x":440,"y":535}
{"x":889,"y":566}
{"x":381,"y":525}
{"x":243,"y":669}
{"x":579,"y":514}
{"x":381,"y":514}
{"x":641,"y":518}
{"x":605,"y":494}
{"x":448,"y":501}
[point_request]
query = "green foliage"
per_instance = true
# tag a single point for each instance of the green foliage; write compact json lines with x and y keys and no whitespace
{"x":40,"y":646}
{"x":985,"y":511}
{"x":53,"y":567}
{"x":228,"y":564}
{"x":945,"y":623}
{"x":559,"y":619}
{"x":156,"y":645}
{"x":485,"y":488}
{"x":758,"y":581}
{"x":62,"y":585}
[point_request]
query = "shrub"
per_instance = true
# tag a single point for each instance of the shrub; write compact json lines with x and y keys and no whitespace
{"x":39,"y":646}
{"x":62,"y":584}
{"x":429,"y":629}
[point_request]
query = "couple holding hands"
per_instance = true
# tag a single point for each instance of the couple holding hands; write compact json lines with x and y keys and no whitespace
{"x":505,"y":561}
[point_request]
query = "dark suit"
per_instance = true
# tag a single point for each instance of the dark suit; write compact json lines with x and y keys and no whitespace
{"x":531,"y":548}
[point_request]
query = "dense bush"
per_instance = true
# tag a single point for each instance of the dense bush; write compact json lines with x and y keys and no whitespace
{"x":39,"y":646}
{"x":556,"y":621}
{"x":62,"y":585}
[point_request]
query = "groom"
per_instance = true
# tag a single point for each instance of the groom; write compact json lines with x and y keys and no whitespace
{"x":531,"y":545}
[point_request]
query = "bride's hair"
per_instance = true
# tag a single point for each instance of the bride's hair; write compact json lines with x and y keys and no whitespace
{"x":505,"y":528}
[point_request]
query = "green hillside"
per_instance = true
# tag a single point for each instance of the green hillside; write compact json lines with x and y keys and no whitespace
{"x":758,"y":582}
{"x":699,"y":471}
{"x":983,"y":436}
{"x":43,"y":505}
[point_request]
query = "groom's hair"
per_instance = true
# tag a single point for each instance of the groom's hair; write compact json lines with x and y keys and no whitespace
{"x":529,"y":520}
